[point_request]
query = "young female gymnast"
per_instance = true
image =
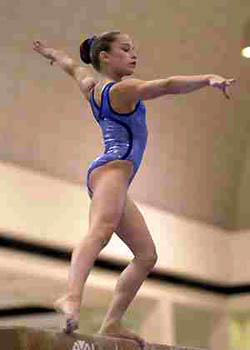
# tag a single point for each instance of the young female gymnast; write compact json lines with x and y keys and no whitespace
{"x":118,"y":108}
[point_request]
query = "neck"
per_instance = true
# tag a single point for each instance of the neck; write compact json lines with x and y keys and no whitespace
{"x":108,"y":76}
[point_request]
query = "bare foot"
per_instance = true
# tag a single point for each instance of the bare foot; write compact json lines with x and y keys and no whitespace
{"x":115,"y":329}
{"x":71,"y":309}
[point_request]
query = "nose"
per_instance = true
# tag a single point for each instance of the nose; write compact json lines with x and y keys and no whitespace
{"x":134,"y":55}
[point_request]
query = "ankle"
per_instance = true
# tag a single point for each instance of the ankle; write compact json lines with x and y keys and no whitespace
{"x":111,"y":323}
{"x":73,"y":298}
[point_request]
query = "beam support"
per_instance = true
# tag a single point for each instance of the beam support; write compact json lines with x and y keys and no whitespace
{"x":23,"y":338}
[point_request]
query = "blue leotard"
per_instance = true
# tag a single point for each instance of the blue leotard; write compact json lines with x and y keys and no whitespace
{"x":124,"y":135}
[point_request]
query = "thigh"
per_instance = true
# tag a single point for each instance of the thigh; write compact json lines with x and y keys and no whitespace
{"x":134,"y":232}
{"x":110,"y":185}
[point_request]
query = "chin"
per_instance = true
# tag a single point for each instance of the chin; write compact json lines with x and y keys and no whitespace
{"x":129,"y":72}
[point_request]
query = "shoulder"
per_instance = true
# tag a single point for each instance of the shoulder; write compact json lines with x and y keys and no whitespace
{"x":125,"y":96}
{"x":127,"y":85}
{"x":128,"y":90}
{"x":86,"y":85}
{"x":135,"y":89}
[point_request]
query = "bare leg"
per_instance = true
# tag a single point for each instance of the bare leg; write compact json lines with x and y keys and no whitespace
{"x":110,"y":185}
{"x":82,"y":261}
{"x":127,"y":286}
{"x":135,"y":234}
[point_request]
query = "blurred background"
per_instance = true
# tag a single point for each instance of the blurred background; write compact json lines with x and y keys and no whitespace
{"x":192,"y":186}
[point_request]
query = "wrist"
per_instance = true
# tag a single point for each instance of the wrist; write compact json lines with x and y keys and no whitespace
{"x":207,"y":79}
{"x":53,"y":54}
{"x":63,"y":60}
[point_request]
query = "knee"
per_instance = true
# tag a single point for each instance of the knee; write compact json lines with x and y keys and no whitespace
{"x":153,"y":259}
{"x":102,"y":232}
{"x":148,"y":259}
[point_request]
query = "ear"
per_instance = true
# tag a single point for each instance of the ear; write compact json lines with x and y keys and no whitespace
{"x":104,"y":56}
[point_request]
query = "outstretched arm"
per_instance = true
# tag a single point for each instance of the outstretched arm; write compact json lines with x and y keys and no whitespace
{"x":145,"y":90}
{"x":185,"y":84}
{"x":80,"y":74}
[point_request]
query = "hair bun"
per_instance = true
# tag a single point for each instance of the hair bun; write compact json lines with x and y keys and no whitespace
{"x":85,"y":48}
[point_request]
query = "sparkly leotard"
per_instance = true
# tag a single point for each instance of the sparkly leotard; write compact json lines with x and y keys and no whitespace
{"x":124,"y":134}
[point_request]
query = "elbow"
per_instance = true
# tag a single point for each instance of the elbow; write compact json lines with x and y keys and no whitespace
{"x":172,"y":86}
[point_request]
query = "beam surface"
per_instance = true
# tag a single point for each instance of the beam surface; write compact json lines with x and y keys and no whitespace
{"x":23,"y":338}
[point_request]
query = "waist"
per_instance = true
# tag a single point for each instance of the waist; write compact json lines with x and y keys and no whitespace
{"x":118,"y":147}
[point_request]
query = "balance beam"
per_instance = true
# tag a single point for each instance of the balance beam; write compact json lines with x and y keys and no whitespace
{"x":24,"y":338}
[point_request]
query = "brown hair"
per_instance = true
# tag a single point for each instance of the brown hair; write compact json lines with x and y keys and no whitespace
{"x":91,"y":47}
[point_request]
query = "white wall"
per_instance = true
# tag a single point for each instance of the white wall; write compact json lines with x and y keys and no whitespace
{"x":240,"y":243}
{"x":42,"y":208}
{"x":196,"y":141}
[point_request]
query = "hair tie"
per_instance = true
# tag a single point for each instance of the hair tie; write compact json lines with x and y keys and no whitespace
{"x":91,"y":41}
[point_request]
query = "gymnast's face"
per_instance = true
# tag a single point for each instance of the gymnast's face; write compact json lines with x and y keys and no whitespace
{"x":122,"y":57}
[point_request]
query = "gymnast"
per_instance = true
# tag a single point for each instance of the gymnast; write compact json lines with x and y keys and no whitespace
{"x":117,"y":106}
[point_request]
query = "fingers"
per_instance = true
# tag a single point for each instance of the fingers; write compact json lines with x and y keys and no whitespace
{"x":225,"y":93}
{"x":38,"y":44}
{"x":224,"y":89}
{"x":42,"y":48}
{"x":225,"y":84}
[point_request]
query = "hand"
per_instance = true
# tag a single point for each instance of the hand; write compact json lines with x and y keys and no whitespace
{"x":41,"y":47}
{"x":219,"y":82}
